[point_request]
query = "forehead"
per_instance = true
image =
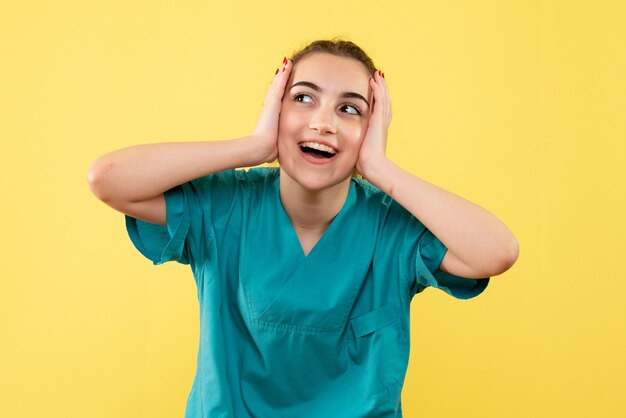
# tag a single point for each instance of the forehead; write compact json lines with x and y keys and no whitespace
{"x":332,"y":73}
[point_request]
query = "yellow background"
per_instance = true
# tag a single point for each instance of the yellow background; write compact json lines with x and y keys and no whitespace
{"x":518,"y":106}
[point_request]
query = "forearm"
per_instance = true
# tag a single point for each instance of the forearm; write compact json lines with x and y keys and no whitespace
{"x":142,"y":172}
{"x":474,"y":235}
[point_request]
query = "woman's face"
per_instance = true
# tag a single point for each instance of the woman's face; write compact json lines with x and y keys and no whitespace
{"x":324,"y":118}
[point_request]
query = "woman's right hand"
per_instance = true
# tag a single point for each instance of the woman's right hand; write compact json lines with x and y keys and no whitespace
{"x":265,"y":134}
{"x":133,"y":180}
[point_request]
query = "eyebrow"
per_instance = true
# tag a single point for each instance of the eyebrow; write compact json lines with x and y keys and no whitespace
{"x":347,"y":94}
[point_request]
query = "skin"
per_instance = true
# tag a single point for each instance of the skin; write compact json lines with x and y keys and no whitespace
{"x":479,"y":245}
{"x":312,"y":194}
{"x":133,"y":180}
{"x":324,"y":115}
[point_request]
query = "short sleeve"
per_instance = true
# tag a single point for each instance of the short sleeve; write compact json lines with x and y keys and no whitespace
{"x":192,"y":208}
{"x":420,"y":254}
{"x":429,"y":254}
{"x":162,"y":243}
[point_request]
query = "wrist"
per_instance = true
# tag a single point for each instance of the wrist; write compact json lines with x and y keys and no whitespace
{"x":256,"y":151}
{"x":370,"y":165}
{"x":379,"y":172}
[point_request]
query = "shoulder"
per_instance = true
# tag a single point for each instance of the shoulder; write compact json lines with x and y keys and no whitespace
{"x":257,"y":174}
{"x":383,"y":206}
{"x":236,"y":177}
{"x":371,"y":196}
{"x":228,"y":194}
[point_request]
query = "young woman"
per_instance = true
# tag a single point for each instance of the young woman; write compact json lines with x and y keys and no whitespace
{"x":305,"y":273}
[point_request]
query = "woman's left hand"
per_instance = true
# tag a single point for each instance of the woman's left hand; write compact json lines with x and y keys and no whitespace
{"x":374,"y":144}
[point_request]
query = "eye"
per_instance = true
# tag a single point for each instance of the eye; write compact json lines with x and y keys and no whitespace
{"x":297,"y":98}
{"x":355,"y":110}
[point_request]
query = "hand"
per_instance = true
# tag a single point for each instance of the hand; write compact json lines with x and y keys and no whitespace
{"x":375,"y":142}
{"x":265,"y":134}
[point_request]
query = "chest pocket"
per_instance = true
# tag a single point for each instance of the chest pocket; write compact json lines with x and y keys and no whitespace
{"x":378,"y":352}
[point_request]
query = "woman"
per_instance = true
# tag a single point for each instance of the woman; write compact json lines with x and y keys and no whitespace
{"x":305,"y":273}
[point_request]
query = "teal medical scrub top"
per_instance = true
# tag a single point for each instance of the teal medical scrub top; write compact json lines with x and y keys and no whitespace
{"x":288,"y":335}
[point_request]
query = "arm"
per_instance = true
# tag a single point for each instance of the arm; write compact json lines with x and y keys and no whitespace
{"x":132,"y":180}
{"x":479,"y":244}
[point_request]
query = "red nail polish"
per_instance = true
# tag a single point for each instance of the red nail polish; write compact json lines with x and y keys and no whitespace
{"x":284,"y":60}
{"x":276,"y":71}
{"x":383,"y":75}
{"x":283,"y":69}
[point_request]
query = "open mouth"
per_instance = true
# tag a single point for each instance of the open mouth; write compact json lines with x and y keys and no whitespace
{"x":317,"y":150}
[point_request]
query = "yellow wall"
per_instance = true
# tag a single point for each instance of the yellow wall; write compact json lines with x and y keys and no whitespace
{"x":518,"y":106}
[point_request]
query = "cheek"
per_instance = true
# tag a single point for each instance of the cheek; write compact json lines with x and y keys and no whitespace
{"x":288,"y":123}
{"x":359,"y":134}
{"x":286,"y":130}
{"x":283,"y":123}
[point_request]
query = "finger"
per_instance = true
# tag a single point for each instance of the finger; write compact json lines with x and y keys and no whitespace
{"x":384,"y":98}
{"x":378,"y":89}
{"x":282,"y":72}
{"x":280,"y":79}
{"x":283,"y":77}
{"x":380,"y":117}
{"x":277,"y":87}
{"x":376,"y":99}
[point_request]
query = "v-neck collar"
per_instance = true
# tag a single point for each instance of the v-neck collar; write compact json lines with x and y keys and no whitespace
{"x":284,"y":289}
{"x":287,"y":225}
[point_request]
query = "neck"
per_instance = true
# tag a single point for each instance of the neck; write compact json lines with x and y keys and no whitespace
{"x":311,"y":209}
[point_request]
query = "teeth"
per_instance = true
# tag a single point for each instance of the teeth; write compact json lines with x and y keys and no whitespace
{"x":318,"y":146}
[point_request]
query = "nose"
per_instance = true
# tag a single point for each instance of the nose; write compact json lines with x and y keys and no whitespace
{"x":323,"y":120}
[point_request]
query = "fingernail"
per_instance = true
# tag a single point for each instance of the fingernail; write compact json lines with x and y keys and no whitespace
{"x":383,"y":75}
{"x":276,"y":71}
{"x":284,"y":60}
{"x":283,"y":69}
